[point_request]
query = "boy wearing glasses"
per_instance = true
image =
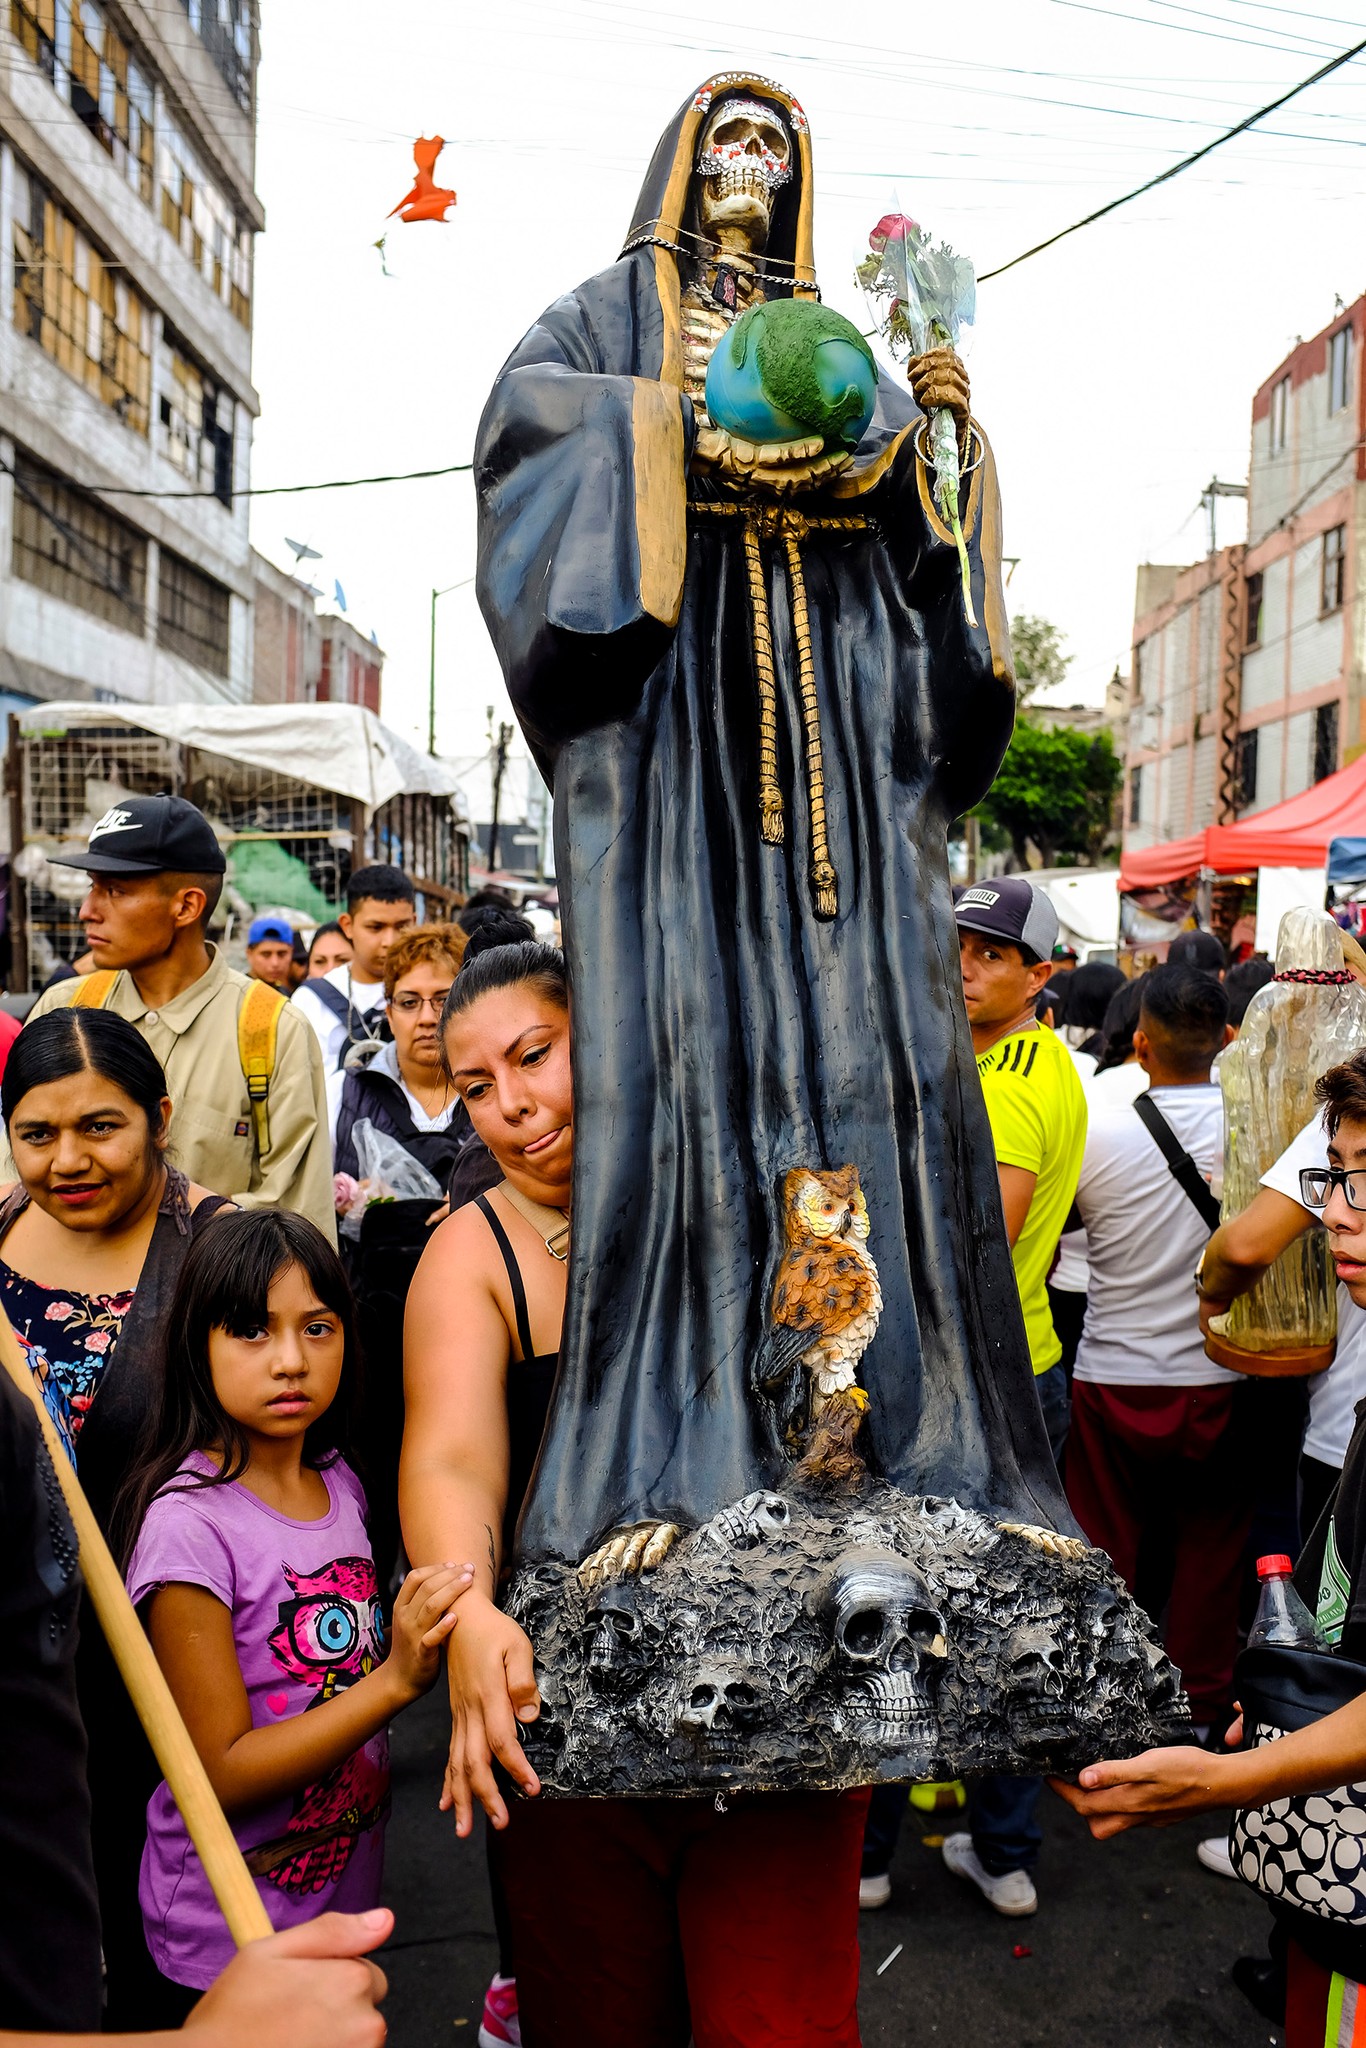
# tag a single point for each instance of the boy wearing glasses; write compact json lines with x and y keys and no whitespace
{"x":1163,"y":1785}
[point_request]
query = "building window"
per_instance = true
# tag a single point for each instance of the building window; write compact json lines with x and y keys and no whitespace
{"x":1334,"y":568}
{"x":1136,"y":794}
{"x":78,"y":306}
{"x":225,"y":27}
{"x":98,"y":75}
{"x":1280,"y":415}
{"x":203,"y":222}
{"x":192,"y":614}
{"x":1246,"y":774}
{"x":1339,"y":369}
{"x":1325,"y":741}
{"x":1253,"y":630}
{"x":196,"y":423}
{"x":74,"y":548}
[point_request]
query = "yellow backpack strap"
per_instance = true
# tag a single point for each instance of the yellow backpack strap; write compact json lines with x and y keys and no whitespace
{"x":258,"y":1030}
{"x":92,"y":991}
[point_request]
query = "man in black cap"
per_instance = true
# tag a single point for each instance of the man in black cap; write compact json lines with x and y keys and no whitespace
{"x":244,"y":1074}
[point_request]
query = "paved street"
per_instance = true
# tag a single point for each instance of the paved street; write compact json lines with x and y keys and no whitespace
{"x":1130,"y":1949}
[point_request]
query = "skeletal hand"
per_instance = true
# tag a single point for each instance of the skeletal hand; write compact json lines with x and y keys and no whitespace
{"x":777,"y":467}
{"x":1047,"y":1540}
{"x":630,"y":1551}
{"x":938,"y":378}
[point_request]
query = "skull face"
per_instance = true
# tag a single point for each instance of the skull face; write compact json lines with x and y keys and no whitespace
{"x":887,"y":1650}
{"x":744,"y":159}
{"x":721,"y":1702}
{"x":1111,"y":1647}
{"x":747,"y":1523}
{"x":619,"y":1646}
{"x":1039,"y":1709}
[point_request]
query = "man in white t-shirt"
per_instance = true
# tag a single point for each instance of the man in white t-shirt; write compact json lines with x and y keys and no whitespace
{"x":346,"y":1007}
{"x":1151,"y":1462}
{"x":1237,"y":1256}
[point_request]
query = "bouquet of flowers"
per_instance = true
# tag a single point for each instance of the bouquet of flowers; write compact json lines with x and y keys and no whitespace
{"x":922,"y":297}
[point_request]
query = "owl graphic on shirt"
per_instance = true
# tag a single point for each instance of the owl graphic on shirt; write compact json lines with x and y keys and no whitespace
{"x":330,"y":1633}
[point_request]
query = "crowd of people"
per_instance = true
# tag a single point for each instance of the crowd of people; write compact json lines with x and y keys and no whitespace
{"x":312,"y":1506}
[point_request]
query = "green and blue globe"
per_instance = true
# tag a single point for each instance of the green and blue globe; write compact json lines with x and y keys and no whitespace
{"x":789,"y":369}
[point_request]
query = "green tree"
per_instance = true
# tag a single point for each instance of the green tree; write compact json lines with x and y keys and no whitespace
{"x":1039,"y":659}
{"x":1054,"y":788}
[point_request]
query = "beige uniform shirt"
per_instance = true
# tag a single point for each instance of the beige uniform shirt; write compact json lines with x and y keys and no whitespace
{"x":213,"y":1131}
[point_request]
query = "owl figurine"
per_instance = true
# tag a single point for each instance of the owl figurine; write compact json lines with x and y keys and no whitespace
{"x":826,"y":1300}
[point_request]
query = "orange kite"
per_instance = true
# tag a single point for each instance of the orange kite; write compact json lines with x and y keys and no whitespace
{"x":427,"y":200}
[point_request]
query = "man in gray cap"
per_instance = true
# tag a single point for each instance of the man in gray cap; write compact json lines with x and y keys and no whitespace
{"x":1007,"y":929}
{"x":249,"y":1108}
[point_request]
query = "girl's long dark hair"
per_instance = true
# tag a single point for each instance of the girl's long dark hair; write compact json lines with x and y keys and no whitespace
{"x":225,"y":1284}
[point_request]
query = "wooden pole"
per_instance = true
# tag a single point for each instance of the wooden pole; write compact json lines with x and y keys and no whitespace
{"x":233,"y":1885}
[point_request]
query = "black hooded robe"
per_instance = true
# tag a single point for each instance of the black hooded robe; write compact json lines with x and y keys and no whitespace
{"x":722,"y":1031}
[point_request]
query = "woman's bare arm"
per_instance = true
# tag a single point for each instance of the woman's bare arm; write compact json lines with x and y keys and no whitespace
{"x":453,"y":1482}
{"x":1164,"y":1785}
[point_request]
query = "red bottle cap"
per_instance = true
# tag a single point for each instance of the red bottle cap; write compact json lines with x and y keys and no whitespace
{"x":1274,"y":1567}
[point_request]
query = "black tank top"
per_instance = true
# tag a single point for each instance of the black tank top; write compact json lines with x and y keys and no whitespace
{"x":531,"y":1382}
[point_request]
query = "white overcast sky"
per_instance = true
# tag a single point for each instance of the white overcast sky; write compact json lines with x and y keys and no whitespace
{"x":1113,"y":373}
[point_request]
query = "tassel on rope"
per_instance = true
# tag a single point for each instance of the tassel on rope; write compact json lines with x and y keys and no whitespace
{"x":824,"y":882}
{"x":770,"y":796}
{"x":784,"y":523}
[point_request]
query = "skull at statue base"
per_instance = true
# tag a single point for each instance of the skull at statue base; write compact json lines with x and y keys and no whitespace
{"x":1034,"y":1669}
{"x":620,"y":1647}
{"x":721,"y":1701}
{"x":887,"y":1650}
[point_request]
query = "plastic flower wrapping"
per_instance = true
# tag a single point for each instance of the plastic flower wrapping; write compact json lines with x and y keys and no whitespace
{"x":921,"y":297}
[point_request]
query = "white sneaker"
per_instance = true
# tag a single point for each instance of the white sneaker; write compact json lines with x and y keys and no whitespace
{"x":874,"y":1892}
{"x":1213,"y":1853}
{"x":1014,"y":1894}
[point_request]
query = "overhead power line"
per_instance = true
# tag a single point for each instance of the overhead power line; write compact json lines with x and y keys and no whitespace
{"x":1175,"y":170}
{"x":341,"y":483}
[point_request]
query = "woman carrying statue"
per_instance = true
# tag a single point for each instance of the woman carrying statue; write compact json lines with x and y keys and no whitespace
{"x":634,"y":1923}
{"x":92,"y":1236}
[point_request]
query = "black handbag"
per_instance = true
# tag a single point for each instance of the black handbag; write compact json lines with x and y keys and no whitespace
{"x":1306,"y":1856}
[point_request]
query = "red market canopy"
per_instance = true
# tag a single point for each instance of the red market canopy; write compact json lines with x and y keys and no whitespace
{"x":1295,"y":834}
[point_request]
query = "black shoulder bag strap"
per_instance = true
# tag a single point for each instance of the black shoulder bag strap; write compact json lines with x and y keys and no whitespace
{"x":1182,"y":1167}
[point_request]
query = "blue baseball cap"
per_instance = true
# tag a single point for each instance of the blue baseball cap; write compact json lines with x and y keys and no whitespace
{"x":270,"y":928}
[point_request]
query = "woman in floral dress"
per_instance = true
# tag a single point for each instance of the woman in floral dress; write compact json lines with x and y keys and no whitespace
{"x":92,"y":1235}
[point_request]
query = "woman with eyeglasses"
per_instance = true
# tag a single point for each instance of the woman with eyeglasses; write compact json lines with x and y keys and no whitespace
{"x":405,"y":1094}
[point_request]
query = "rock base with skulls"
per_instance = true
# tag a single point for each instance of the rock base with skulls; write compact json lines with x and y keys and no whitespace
{"x":798,"y":1642}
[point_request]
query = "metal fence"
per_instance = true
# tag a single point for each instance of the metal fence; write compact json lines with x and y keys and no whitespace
{"x":60,"y":783}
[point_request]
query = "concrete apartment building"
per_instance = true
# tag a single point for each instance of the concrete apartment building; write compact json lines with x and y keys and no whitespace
{"x":302,"y":656}
{"x":1247,"y":675}
{"x":127,"y":218}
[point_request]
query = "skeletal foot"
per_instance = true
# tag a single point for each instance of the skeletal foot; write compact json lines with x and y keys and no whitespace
{"x":1047,"y":1540}
{"x":630,"y":1551}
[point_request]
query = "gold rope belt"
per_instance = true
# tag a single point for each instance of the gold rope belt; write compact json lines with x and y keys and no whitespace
{"x":784,"y":523}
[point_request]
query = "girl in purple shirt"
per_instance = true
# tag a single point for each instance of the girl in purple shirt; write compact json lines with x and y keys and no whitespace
{"x":252,"y":1568}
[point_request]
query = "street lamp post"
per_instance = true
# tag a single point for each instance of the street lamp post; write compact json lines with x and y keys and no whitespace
{"x":431,"y":670}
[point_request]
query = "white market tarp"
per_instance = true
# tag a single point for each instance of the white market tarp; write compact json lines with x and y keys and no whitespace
{"x":1087,"y":904}
{"x":341,"y":747}
{"x":1282,"y":889}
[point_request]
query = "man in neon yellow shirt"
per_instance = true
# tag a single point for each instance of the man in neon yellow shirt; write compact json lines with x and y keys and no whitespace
{"x":1007,"y":930}
{"x":1033,"y":1094}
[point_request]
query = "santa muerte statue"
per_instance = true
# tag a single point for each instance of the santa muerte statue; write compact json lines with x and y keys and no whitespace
{"x":795,"y":1521}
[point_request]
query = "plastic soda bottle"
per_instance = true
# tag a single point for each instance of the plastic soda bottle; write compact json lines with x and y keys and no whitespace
{"x":1282,"y":1619}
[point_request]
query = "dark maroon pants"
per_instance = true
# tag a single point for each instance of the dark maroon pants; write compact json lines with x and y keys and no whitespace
{"x":1156,"y":1477}
{"x":642,"y":1923}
